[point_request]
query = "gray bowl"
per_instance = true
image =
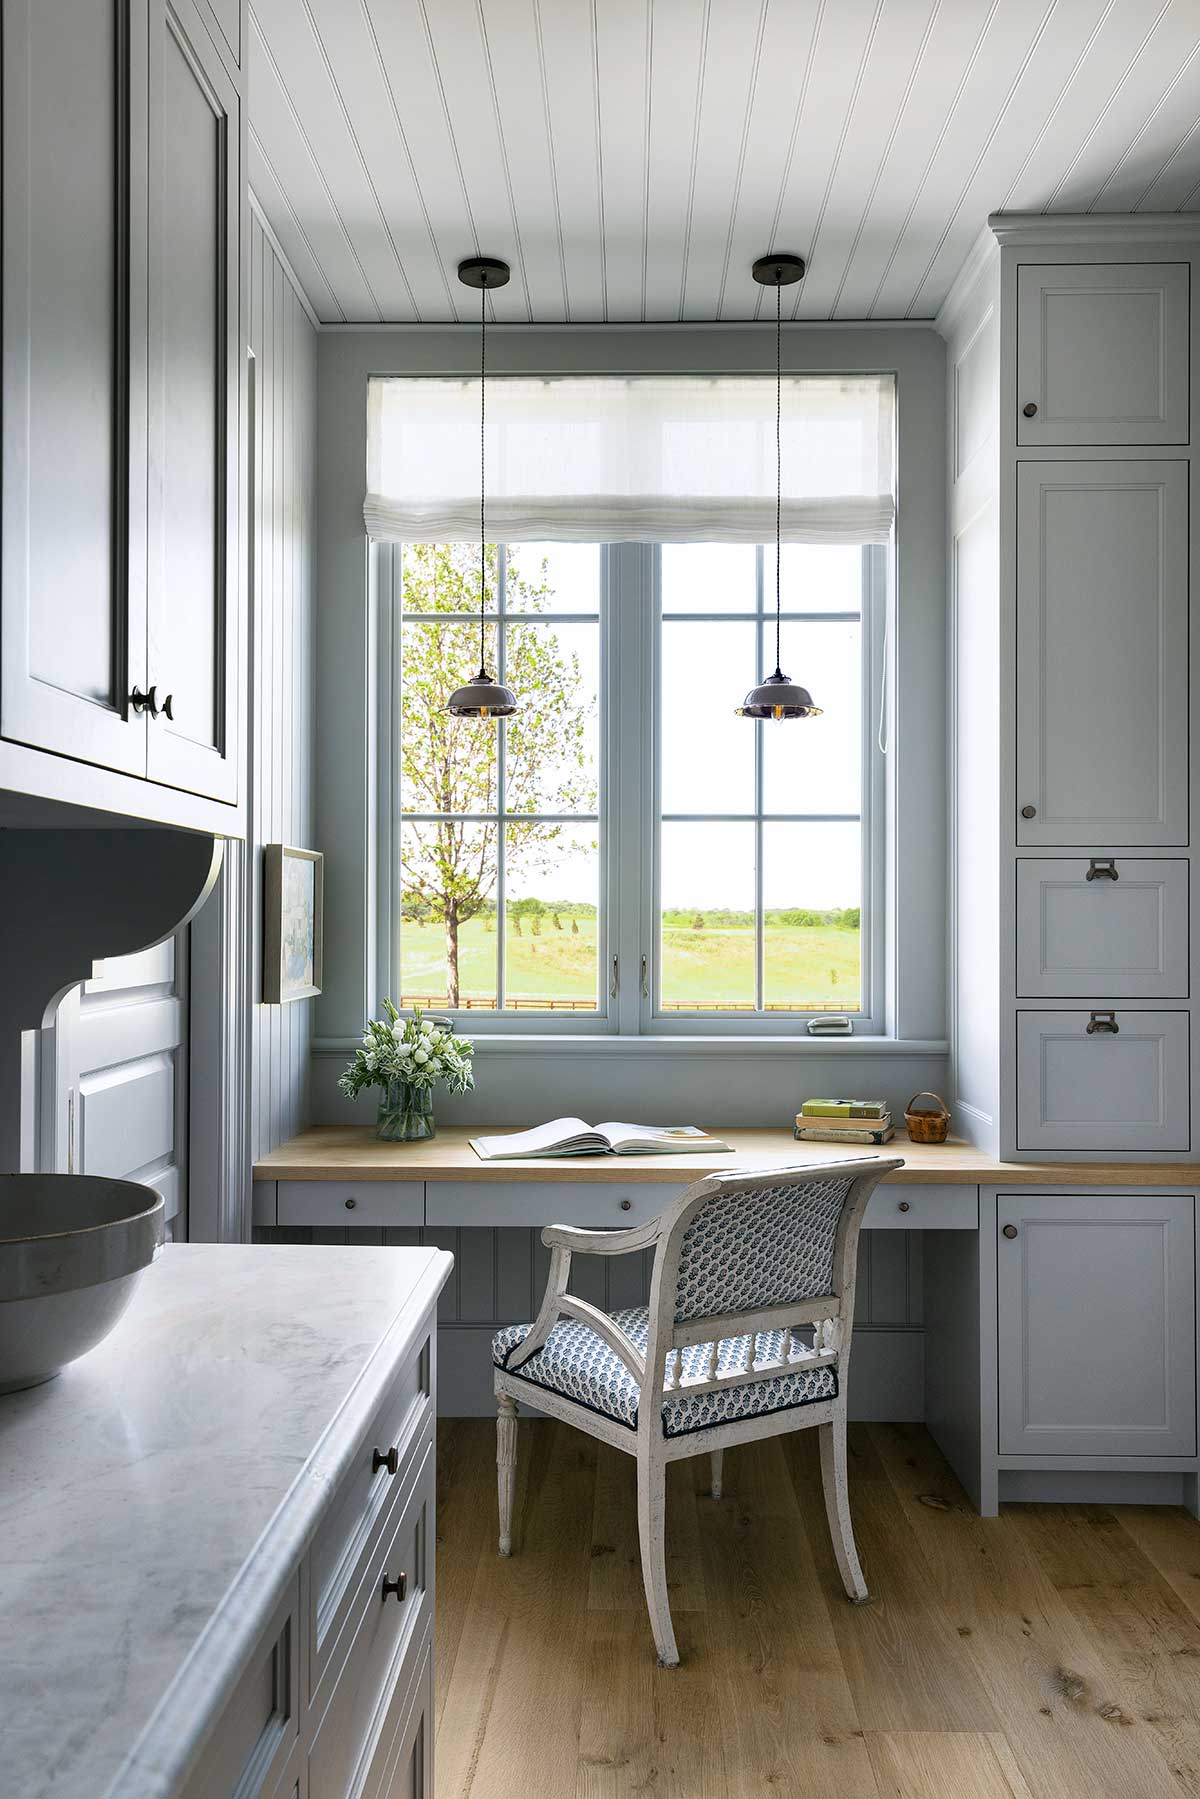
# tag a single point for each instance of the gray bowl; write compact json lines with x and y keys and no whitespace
{"x":72,"y":1248}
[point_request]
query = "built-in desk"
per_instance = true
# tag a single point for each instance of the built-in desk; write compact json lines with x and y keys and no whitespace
{"x":990,"y":1294}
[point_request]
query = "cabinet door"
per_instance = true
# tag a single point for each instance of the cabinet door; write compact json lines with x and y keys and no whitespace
{"x":1102,"y":687}
{"x":1117,"y":1082}
{"x":1097,"y":1324}
{"x":193,"y":598}
{"x":74,"y":263}
{"x":1102,"y":354}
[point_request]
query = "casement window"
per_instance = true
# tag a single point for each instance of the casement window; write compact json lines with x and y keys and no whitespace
{"x":626,"y":854}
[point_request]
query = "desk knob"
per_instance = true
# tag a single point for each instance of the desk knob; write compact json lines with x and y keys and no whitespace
{"x":350,"y":1204}
{"x":626,"y":1205}
{"x":903,"y":1206}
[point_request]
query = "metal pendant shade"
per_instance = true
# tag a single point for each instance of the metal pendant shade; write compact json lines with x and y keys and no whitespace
{"x":483,"y":697}
{"x":777,"y":696}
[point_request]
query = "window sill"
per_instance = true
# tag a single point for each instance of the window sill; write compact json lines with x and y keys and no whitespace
{"x":496,"y":1043}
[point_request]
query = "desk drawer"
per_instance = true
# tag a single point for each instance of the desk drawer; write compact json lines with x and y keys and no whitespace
{"x":349,"y":1536}
{"x":354,"y":1703}
{"x":537,"y":1203}
{"x":911,"y":1208}
{"x":351,"y":1203}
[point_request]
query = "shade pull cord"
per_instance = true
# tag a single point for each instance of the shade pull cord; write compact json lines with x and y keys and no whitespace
{"x":778,"y":463}
{"x":482,"y":467}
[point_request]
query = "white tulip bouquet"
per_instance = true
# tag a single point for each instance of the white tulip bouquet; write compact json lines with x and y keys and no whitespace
{"x":407,"y":1058}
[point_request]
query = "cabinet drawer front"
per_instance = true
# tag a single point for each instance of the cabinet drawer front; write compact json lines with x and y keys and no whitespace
{"x":251,"y":1748}
{"x":538,"y":1203}
{"x":351,"y":1531}
{"x":403,"y":1764}
{"x":1097,"y":1334}
{"x":1128,"y":1090}
{"x":933,"y":1208}
{"x":354,"y":1707}
{"x":1122,"y":938}
{"x":351,"y":1203}
{"x":1102,"y":353}
{"x":1102,"y":609}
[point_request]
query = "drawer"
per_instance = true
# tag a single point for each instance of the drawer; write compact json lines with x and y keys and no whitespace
{"x":1127,"y":1090}
{"x":1111,"y":928}
{"x":538,"y":1203}
{"x":912,"y":1208}
{"x":250,"y":1751}
{"x":354,"y":1703}
{"x":354,"y":1203}
{"x":349,"y":1536}
{"x":402,"y":1767}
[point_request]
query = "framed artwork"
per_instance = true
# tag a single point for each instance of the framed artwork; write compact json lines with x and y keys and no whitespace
{"x":293,"y":903}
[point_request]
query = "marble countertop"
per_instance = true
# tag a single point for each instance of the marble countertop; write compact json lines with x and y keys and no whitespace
{"x":136,"y":1491}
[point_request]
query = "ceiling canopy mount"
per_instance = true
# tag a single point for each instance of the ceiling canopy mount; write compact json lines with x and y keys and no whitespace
{"x":776,"y":271}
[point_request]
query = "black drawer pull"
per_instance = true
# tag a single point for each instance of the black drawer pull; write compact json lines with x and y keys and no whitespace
{"x":1102,"y":868}
{"x":350,"y":1204}
{"x":389,"y":1459}
{"x":397,"y":1588}
{"x":1103,"y":1021}
{"x":626,"y":1205}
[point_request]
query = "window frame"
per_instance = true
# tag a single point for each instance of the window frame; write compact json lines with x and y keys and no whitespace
{"x":628,"y":814}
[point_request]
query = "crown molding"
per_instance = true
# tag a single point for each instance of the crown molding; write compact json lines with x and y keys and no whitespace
{"x":1090,"y":227}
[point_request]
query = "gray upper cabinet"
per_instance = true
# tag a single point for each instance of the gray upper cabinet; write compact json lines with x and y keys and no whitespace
{"x":195,"y":371}
{"x":74,"y":278}
{"x":1102,"y":353}
{"x":1102,"y":645}
{"x":1097,"y":1346}
{"x":122,"y":349}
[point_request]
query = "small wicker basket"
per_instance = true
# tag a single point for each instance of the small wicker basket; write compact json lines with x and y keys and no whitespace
{"x":925,"y":1126}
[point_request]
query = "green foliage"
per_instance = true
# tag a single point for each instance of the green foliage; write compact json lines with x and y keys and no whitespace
{"x":418,"y":1051}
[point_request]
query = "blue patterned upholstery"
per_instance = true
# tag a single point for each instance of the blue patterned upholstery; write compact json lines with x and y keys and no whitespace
{"x":745,"y":1251}
{"x":577,"y":1363}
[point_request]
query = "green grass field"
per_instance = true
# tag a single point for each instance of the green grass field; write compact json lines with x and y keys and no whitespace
{"x":804,"y":965}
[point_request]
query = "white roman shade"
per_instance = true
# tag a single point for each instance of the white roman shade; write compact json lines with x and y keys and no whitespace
{"x":640,"y":459}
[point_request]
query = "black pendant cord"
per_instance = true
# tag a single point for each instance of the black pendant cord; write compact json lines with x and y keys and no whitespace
{"x":482,"y":470}
{"x":778,"y":463}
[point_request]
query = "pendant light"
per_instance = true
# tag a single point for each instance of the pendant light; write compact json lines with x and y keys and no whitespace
{"x":777,"y":696}
{"x":482,"y":697}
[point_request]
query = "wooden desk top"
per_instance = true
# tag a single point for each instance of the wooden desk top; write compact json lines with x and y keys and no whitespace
{"x":353,"y":1152}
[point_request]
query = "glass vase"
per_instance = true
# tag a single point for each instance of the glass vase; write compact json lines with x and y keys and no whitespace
{"x":405,"y":1113}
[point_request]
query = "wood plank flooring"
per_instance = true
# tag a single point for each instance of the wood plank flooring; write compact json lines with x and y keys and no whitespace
{"x":1053,"y":1653}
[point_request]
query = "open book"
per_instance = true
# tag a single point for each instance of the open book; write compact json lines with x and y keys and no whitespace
{"x":572,"y":1137}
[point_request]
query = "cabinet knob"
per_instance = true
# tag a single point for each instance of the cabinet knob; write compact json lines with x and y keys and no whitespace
{"x":1028,"y":811}
{"x":144,"y":702}
{"x":397,"y":1588}
{"x":626,"y":1205}
{"x":351,"y":1203}
{"x":903,"y":1206}
{"x":389,"y":1459}
{"x":1010,"y":1230}
{"x":1030,"y":409}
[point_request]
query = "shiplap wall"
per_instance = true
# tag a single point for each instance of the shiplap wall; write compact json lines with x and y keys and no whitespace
{"x":499,"y":1276}
{"x":283,"y":434}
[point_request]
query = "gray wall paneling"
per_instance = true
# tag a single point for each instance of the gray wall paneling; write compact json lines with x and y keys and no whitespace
{"x":282,"y":710}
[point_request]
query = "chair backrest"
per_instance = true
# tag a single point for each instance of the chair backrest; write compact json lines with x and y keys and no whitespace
{"x":743,"y":1255}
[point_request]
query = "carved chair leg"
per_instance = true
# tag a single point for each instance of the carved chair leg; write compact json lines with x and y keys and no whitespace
{"x":837,"y":1506}
{"x":652,"y":1525}
{"x":506,"y":1466}
{"x":717,"y":1456}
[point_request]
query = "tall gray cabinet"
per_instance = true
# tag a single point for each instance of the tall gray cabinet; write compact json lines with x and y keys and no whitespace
{"x":121,"y":582}
{"x":1073,"y":421}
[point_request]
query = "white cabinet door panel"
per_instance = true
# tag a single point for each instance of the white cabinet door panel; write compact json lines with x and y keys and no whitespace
{"x":195,"y":372}
{"x":1102,"y":353}
{"x":73,"y":454}
{"x":1102,"y":643}
{"x":1102,"y":930}
{"x":1126,"y":1090}
{"x":1097,"y":1324}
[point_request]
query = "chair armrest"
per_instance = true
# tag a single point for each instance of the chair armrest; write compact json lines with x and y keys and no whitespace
{"x":601,"y":1243}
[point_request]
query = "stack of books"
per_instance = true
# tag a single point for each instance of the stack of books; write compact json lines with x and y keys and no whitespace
{"x":844,"y":1121}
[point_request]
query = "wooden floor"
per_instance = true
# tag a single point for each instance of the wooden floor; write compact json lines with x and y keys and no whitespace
{"x":1054,"y":1652}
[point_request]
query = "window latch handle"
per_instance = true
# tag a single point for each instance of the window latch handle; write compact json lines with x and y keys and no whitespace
{"x":612,"y":991}
{"x":645,"y":986}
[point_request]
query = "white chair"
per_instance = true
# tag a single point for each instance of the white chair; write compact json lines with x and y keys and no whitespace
{"x":742,"y":1264}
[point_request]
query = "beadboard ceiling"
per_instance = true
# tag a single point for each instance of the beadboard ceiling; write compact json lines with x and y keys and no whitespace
{"x":631,"y":158}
